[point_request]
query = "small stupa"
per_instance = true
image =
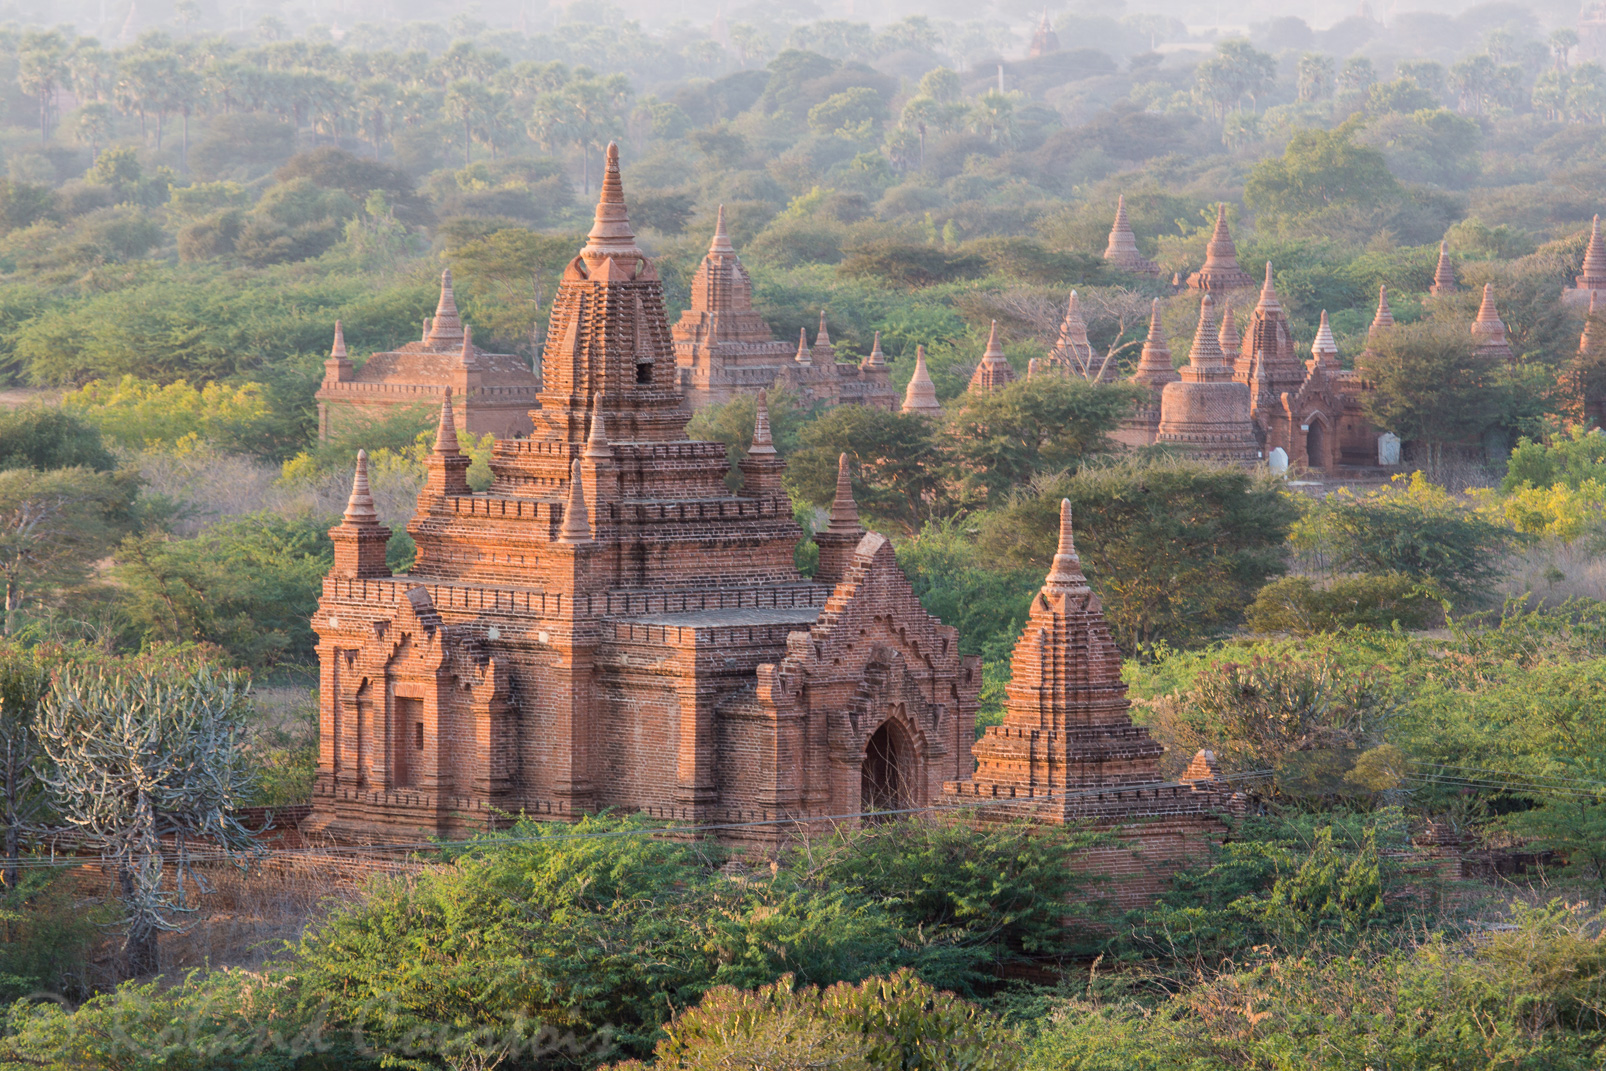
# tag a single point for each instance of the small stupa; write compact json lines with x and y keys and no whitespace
{"x":1154,"y":371}
{"x":1443,"y":273}
{"x":1591,"y":278}
{"x":1122,"y":250}
{"x":921,"y":394}
{"x":994,"y":372}
{"x":1489,"y":331}
{"x":1221,"y":271}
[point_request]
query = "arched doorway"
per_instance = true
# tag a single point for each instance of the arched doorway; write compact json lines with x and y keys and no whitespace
{"x":1316,"y":445}
{"x":886,"y":778}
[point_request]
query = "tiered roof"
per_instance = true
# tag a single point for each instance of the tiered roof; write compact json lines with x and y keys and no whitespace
{"x":1221,"y":271}
{"x":1324,"y":350}
{"x":1122,"y":250}
{"x":994,"y":372}
{"x":721,"y":321}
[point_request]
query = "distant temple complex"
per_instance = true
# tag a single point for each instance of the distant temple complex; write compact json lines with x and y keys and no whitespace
{"x":493,"y":392}
{"x":724,"y":348}
{"x":1044,"y":40}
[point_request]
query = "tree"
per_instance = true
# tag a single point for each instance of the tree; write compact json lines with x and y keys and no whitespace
{"x":41,"y":67}
{"x":471,"y":105}
{"x":1236,"y":70}
{"x":1563,"y":40}
{"x":53,"y":526}
{"x":897,"y":464}
{"x":1475,"y":80}
{"x":1315,"y":76}
{"x":94,"y":125}
{"x":1358,"y":75}
{"x":23,"y":800}
{"x":140,"y":758}
{"x":1044,"y":424}
{"x":1415,"y":529}
{"x":47,"y":437}
{"x":1175,"y":548}
{"x":1320,"y":169}
{"x":1429,"y":387}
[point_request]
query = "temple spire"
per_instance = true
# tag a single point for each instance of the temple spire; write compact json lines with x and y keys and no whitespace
{"x":921,"y":394}
{"x":610,"y":234}
{"x":360,"y":506}
{"x":447,"y":327}
{"x":1206,"y":356}
{"x":844,"y":510}
{"x":1324,"y":349}
{"x":803,"y":354}
{"x":576,"y":524}
{"x":1268,"y":292}
{"x":824,"y":336}
{"x":721,"y":245}
{"x":338,"y":350}
{"x":876,"y":359}
{"x":1221,"y":270}
{"x":1489,"y":331}
{"x":1065,"y":575}
{"x":1121,"y":251}
{"x":994,"y":371}
{"x":1228,"y":337}
{"x":1385,"y":315}
{"x":1592,"y":275}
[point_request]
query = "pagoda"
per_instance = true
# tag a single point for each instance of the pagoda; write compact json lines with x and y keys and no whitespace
{"x":609,"y":626}
{"x":1153,"y":372}
{"x":1044,"y":40}
{"x":1584,"y":381}
{"x":1206,"y":410}
{"x":1489,"y":331}
{"x":1072,"y":354}
{"x":1068,"y":751}
{"x":1122,"y":250}
{"x":921,"y":394}
{"x":1266,"y":360}
{"x":1221,"y":271}
{"x":1591,"y":279}
{"x":723,"y":347}
{"x":1443,"y":273}
{"x":994,"y":371}
{"x":494,"y":392}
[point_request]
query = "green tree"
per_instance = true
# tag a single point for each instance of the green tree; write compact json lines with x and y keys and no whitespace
{"x":1236,"y":70}
{"x":1175,"y":549}
{"x":1002,"y":440}
{"x":855,"y":113}
{"x":48,"y":437}
{"x":54,"y":525}
{"x":1315,"y":77}
{"x":1430,"y":387}
{"x":1320,"y":169}
{"x":23,"y":800}
{"x":1415,"y":529}
{"x":898,"y":464}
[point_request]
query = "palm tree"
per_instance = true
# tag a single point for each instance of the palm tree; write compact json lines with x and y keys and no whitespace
{"x":94,"y":125}
{"x":468,"y":103}
{"x":41,"y":67}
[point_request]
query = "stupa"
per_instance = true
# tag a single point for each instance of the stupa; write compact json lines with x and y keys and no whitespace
{"x":1153,"y":372}
{"x":1067,"y":749}
{"x":994,"y":371}
{"x":1221,"y":271}
{"x":921,"y":394}
{"x":1489,"y":331}
{"x":1267,"y":361}
{"x":1443,"y":273}
{"x":1122,"y":250}
{"x":493,"y":392}
{"x":1072,"y":354}
{"x":1044,"y":40}
{"x":1591,"y":279}
{"x":1206,"y":410}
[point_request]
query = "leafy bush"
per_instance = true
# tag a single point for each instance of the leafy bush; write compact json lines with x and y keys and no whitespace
{"x":1296,"y":604}
{"x":45,"y":437}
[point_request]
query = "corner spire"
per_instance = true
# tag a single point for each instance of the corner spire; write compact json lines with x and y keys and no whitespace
{"x":803,"y":354}
{"x":844,"y":510}
{"x":597,"y":448}
{"x":1268,"y":292}
{"x":447,"y":443}
{"x":762,"y":443}
{"x":1324,"y":348}
{"x":576,"y":524}
{"x":1065,"y":575}
{"x":993,"y":348}
{"x":876,"y":358}
{"x":721,"y":245}
{"x":610,"y":234}
{"x":824,"y":336}
{"x":338,"y":350}
{"x":447,"y":327}
{"x":1228,"y":337}
{"x":1154,"y":364}
{"x":360,"y":506}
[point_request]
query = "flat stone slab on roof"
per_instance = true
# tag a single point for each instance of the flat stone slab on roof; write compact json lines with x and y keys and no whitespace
{"x":790,"y":615}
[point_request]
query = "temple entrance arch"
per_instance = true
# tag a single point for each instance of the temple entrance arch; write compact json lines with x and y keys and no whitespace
{"x":1316,"y":445}
{"x":886,"y":778}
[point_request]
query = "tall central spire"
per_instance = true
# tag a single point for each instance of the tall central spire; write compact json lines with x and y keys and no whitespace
{"x":446,"y":329}
{"x":610,"y":234}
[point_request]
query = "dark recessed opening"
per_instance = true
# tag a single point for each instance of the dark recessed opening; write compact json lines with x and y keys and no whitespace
{"x":644,"y":373}
{"x":418,"y":735}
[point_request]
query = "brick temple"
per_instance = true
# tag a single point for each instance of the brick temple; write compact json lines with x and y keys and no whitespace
{"x":608,"y":626}
{"x":493,"y":392}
